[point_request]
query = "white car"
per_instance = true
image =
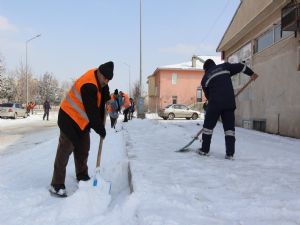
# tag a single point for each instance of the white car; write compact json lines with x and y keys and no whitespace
{"x":178,"y":111}
{"x":12,"y":110}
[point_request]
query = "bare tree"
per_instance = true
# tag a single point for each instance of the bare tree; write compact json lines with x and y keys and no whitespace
{"x":136,"y":91}
{"x":20,"y":76}
{"x":48,"y":87}
{"x":2,"y":73}
{"x":10,"y":88}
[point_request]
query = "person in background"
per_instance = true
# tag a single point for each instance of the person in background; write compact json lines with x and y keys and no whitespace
{"x":218,"y":90}
{"x":113,"y":108}
{"x":131,"y":109}
{"x":125,"y":105}
{"x":46,"y":107}
{"x":32,"y":105}
{"x":82,"y":109}
{"x":204,"y":107}
{"x":28,"y":108}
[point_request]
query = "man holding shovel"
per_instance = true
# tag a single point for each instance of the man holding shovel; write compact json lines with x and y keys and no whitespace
{"x":83,"y":108}
{"x":218,"y":89}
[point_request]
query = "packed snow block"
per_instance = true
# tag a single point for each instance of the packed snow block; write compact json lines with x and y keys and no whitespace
{"x":87,"y":200}
{"x":130,"y":178}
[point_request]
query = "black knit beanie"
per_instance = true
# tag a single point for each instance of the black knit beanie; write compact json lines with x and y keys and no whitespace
{"x":107,"y":69}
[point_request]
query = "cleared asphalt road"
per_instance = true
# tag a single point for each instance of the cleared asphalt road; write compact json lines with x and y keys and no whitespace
{"x":21,"y":134}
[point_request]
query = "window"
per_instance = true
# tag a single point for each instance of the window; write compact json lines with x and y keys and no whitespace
{"x":243,"y":55}
{"x":183,"y":107}
{"x":298,"y":56}
{"x":270,"y":37}
{"x":264,"y":41}
{"x":174,"y":99}
{"x":199,"y":94}
{"x":174,"y":78}
{"x":277,"y":33}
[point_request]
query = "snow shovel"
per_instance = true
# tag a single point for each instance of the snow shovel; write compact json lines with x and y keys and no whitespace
{"x":184,"y":148}
{"x":97,"y":179}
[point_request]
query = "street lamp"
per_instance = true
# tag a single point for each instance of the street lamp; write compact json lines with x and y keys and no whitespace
{"x":140,"y":48}
{"x":129,"y":91}
{"x":26,"y":66}
{"x":140,"y":105}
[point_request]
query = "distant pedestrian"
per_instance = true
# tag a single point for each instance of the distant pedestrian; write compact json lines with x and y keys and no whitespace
{"x":204,"y":107}
{"x":47,"y":108}
{"x":113,"y":108}
{"x":131,"y":109}
{"x":32,"y":105}
{"x":125,"y":105}
{"x":28,"y":108}
{"x":218,"y":89}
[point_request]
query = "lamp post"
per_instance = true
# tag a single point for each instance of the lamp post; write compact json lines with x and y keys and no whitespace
{"x":140,"y":48}
{"x":129,"y":86}
{"x":26,"y":65}
{"x":140,"y":105}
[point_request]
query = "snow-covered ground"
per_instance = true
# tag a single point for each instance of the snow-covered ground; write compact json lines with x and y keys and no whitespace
{"x":261,"y":186}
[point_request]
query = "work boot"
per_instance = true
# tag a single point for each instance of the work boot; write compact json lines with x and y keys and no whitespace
{"x":83,"y":177}
{"x":59,"y":190}
{"x":201,"y":152}
{"x":229,"y":157}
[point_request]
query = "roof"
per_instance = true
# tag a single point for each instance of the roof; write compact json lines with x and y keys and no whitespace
{"x":188,"y":65}
{"x":248,"y":15}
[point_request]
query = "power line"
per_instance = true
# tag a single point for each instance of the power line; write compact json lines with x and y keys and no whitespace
{"x":215,"y":22}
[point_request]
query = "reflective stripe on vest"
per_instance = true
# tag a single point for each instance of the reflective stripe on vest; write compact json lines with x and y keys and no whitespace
{"x":216,"y":74}
{"x":81,"y":112}
{"x":73,"y":105}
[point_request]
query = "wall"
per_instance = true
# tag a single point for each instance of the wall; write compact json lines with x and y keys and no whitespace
{"x":185,"y":88}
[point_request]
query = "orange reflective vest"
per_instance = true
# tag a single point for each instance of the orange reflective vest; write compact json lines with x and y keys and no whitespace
{"x":72,"y":103}
{"x":126,"y":103}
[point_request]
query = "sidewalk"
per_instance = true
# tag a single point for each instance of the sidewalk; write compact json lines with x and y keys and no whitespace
{"x":258,"y":187}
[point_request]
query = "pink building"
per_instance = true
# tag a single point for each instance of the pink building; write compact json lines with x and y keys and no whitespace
{"x":180,"y":83}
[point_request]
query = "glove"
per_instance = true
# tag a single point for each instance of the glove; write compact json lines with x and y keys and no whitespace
{"x":102,"y":131}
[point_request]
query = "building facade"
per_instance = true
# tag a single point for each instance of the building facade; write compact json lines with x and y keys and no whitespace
{"x":259,"y":36}
{"x":177,"y":84}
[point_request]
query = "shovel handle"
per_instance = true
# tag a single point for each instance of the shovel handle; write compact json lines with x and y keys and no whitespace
{"x":101,"y":144}
{"x":99,"y":152}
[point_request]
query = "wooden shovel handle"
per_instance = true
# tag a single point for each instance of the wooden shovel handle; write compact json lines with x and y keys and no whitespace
{"x":101,"y":143}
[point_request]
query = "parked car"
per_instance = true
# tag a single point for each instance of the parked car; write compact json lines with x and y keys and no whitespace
{"x":178,"y":111}
{"x":12,"y":110}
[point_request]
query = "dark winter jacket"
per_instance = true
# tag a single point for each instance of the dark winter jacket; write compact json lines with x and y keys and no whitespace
{"x":46,"y":106}
{"x":132,"y":108}
{"x":89,"y":99}
{"x":217,"y":84}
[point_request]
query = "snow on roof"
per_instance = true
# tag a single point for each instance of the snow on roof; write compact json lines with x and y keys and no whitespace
{"x":188,"y":65}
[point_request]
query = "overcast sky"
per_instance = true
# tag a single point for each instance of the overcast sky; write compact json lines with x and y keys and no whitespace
{"x":77,"y":35}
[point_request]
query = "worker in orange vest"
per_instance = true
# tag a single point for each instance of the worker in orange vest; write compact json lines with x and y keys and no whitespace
{"x":83,"y":108}
{"x":125,"y":105}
